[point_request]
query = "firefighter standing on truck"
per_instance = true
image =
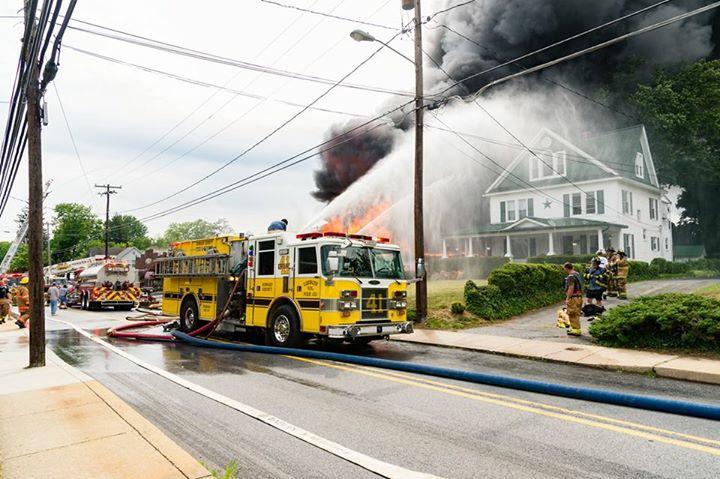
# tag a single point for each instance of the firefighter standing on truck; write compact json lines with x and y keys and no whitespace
{"x":573,"y":299}
{"x":623,"y":268}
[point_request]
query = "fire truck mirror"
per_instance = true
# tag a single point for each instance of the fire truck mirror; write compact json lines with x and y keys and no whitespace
{"x":333,"y":263}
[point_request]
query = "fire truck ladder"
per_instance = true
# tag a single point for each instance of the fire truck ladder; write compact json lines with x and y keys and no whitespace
{"x":12,"y":250}
{"x":207,"y":265}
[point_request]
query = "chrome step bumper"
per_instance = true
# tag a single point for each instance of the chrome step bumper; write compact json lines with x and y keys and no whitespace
{"x":350,"y":331}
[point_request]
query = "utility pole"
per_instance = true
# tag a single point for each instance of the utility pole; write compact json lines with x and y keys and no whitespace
{"x":109,"y":190}
{"x":35,"y":197}
{"x":420,"y":273}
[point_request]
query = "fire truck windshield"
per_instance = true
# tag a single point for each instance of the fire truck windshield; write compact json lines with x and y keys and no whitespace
{"x":364,"y":262}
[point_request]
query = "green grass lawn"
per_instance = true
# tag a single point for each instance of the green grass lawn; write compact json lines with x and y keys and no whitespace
{"x":441,"y":294}
{"x":711,"y":290}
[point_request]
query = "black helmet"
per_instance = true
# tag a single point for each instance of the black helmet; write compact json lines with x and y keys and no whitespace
{"x":284,"y":221}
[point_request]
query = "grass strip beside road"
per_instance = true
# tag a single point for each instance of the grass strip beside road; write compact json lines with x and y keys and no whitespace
{"x":441,"y":295}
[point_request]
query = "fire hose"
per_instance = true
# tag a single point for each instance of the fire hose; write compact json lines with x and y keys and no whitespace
{"x":637,"y":401}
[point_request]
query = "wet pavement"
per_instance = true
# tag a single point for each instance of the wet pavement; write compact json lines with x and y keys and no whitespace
{"x":437,"y":426}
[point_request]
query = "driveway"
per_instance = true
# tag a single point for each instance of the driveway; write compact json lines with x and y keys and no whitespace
{"x":540,"y":324}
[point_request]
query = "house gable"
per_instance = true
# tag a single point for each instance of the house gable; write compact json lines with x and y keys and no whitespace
{"x":553,"y":156}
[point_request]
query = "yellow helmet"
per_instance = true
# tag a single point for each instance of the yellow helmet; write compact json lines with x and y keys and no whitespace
{"x":24,"y":280}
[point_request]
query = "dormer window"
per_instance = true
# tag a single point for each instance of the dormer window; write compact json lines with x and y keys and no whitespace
{"x":548,"y":166}
{"x":639,"y":166}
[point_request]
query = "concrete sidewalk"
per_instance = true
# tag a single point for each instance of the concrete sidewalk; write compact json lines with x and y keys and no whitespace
{"x":665,"y":365}
{"x":57,"y":422}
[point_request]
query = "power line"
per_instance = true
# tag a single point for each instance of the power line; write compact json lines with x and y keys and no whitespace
{"x":275,"y":130}
{"x":333,"y":142}
{"x":329,"y":15}
{"x":445,"y":10}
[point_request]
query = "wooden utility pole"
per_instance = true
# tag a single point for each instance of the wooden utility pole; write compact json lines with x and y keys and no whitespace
{"x":35,"y":200}
{"x":109,"y":190}
{"x":421,"y":286}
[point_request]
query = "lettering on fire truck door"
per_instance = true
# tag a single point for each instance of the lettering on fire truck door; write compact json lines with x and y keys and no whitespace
{"x":307,"y":287}
{"x":264,"y":288}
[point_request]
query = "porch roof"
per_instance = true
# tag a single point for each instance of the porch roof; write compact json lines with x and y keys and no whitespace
{"x":530,"y":224}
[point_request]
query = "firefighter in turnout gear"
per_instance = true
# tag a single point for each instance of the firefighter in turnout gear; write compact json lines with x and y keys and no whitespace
{"x":22,"y":294}
{"x":623,"y":268}
{"x":612,"y":257}
{"x":596,"y":281}
{"x":573,"y":299}
{"x":5,"y":301}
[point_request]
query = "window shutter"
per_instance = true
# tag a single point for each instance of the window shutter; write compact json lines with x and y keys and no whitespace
{"x":530,"y":210}
{"x":502,"y":212}
{"x":566,"y":206}
{"x":600,"y":202}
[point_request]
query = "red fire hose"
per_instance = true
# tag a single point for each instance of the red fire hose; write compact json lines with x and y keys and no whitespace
{"x":209,"y":328}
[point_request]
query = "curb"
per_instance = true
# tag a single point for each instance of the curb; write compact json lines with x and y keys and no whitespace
{"x":177,"y":456}
{"x":671,"y":367}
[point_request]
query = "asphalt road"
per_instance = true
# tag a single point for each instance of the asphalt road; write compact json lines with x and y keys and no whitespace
{"x":435,"y":426}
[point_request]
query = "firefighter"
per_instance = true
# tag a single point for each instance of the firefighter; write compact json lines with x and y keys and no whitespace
{"x":278,"y":225}
{"x":5,"y":301}
{"x":600,"y":256}
{"x":22,"y":295}
{"x":611,"y":272}
{"x":596,"y":281}
{"x":573,"y":299}
{"x":623,"y":268}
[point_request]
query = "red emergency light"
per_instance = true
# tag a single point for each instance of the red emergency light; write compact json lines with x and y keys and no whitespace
{"x":305,"y":236}
{"x":335,"y":234}
{"x":361,"y":237}
{"x":380,"y":239}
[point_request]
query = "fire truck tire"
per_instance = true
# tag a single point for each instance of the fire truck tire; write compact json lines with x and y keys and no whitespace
{"x":84,"y":301}
{"x":189,"y":315}
{"x":284,"y":328}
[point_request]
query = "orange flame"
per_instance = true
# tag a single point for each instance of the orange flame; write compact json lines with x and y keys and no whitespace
{"x":353,"y":222}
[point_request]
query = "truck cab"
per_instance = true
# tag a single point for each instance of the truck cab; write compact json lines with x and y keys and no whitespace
{"x":293,"y":287}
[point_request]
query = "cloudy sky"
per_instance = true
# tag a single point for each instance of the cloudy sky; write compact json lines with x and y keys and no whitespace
{"x":116,"y":112}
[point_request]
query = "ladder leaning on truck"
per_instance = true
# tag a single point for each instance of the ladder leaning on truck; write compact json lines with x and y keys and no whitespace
{"x":341,"y":287}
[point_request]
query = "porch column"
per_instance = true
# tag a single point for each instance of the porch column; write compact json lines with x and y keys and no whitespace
{"x":509,"y":247}
{"x":444,"y":253}
{"x":600,"y":239}
{"x":469,"y":250}
{"x":551,"y":244}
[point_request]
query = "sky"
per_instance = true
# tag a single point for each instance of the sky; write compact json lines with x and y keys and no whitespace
{"x":115,"y":112}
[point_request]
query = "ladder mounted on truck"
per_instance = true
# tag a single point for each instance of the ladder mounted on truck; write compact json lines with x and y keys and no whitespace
{"x":206,"y":265}
{"x":19,"y":238}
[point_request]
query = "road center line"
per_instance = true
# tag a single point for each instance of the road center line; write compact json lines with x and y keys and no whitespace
{"x":371,"y":464}
{"x":520,"y":407}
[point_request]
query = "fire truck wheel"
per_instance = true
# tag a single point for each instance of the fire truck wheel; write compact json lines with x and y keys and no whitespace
{"x":284,"y":328}
{"x":189,"y":316}
{"x":84,"y":301}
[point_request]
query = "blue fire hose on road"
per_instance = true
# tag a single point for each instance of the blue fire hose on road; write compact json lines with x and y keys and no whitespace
{"x":705,"y":411}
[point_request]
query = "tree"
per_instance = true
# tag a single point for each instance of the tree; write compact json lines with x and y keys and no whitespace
{"x":128,"y":230}
{"x":682,"y":113}
{"x":4,"y":247}
{"x":75,"y":226}
{"x":20,"y":262}
{"x":194,"y":230}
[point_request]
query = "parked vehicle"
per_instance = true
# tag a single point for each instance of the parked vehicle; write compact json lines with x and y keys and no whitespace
{"x":106,"y":284}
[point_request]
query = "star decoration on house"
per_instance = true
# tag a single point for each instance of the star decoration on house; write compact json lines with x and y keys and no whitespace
{"x":547,"y":204}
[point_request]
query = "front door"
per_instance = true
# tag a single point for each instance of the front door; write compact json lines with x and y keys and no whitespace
{"x":263,"y":281}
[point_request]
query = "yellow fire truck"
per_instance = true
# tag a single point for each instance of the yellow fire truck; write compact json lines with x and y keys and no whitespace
{"x":342,"y":287}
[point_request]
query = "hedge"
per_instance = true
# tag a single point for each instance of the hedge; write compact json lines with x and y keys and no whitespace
{"x":562,"y":259}
{"x":462,"y":267}
{"x":515,"y":288}
{"x":683,"y":321}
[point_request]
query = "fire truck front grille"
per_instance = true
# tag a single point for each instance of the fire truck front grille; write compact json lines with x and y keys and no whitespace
{"x":374,"y":304}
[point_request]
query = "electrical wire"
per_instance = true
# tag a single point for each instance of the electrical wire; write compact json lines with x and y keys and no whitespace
{"x":328,"y":15}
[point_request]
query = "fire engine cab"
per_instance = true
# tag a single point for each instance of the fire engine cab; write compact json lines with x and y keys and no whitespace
{"x":291,"y":287}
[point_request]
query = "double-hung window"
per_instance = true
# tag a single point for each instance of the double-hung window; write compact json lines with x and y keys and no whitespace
{"x":653,"y":209}
{"x":627,"y":202}
{"x":576,"y":204}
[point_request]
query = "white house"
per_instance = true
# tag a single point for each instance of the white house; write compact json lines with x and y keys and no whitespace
{"x":573,"y":198}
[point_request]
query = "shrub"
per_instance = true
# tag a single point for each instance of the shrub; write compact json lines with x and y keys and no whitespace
{"x":514,"y":289}
{"x":663,"y":266}
{"x":457,"y":308}
{"x":684,"y":321}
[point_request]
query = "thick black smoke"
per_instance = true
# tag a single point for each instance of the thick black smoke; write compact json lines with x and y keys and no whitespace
{"x":481,"y":35}
{"x":351,"y":159}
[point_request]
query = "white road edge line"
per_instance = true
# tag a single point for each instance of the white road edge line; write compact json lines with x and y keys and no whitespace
{"x":371,"y":464}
